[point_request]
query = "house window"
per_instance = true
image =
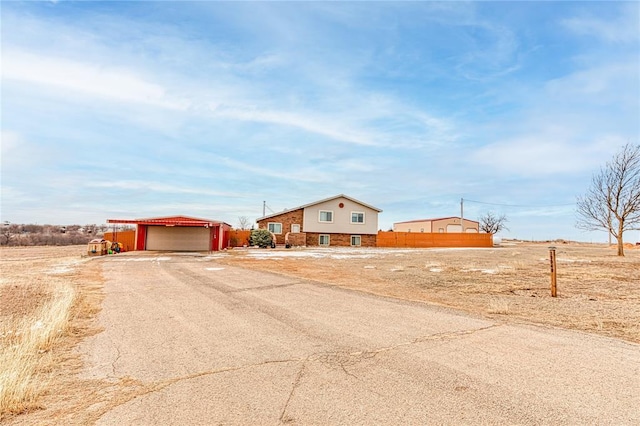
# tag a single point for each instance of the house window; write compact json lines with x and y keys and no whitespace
{"x":274,"y":227}
{"x":356,"y":240}
{"x":295,"y":228}
{"x":441,"y":230}
{"x":357,"y":217}
{"x":326,"y":216}
{"x":323,"y":240}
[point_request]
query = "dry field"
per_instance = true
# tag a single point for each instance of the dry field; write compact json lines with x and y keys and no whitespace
{"x":48,"y":296}
{"x":598,"y":291}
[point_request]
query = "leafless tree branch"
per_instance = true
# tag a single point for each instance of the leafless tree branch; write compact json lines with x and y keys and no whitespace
{"x":492,"y":224}
{"x":612,"y":202}
{"x":243,"y":223}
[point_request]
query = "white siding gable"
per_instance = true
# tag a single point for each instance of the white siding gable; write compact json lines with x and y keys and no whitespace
{"x":341,"y":222}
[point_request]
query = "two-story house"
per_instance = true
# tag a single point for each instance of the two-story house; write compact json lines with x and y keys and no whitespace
{"x":335,"y":221}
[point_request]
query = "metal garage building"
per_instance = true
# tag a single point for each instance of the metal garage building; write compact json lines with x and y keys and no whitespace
{"x":178,"y":233}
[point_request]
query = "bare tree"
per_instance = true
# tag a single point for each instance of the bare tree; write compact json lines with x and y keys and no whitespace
{"x":7,"y":232}
{"x":612,"y":203}
{"x":91,"y":229}
{"x":492,"y":224}
{"x":243,"y":223}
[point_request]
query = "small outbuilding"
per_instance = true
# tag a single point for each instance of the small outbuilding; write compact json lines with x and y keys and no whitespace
{"x":439,"y":225}
{"x":178,"y":233}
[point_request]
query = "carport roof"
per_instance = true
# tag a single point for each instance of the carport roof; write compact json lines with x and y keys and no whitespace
{"x":170,"y":221}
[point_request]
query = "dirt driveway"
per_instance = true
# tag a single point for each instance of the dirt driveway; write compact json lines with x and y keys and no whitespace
{"x":190,"y":340}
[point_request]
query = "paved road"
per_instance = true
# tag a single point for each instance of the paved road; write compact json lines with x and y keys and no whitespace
{"x":221,"y":345}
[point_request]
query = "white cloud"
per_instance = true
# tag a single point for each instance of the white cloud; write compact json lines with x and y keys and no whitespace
{"x":313,"y":123}
{"x":324,"y":98}
{"x":87,"y":79}
{"x":19,"y":153}
{"x":497,"y":56}
{"x":17,"y":196}
{"x":160,"y":188}
{"x":553,"y":151}
{"x":11,"y":142}
{"x":622,"y":29}
{"x":259,"y":64}
{"x":615,"y":81}
{"x":371,"y":122}
{"x":289,"y":173}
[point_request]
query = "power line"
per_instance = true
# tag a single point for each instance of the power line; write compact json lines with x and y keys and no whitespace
{"x":264,"y":207}
{"x":519,"y":205}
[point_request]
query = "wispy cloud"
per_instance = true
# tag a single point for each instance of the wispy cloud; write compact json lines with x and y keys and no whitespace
{"x":161,"y":187}
{"x":620,"y":28}
{"x":313,"y":123}
{"x":610,"y":83}
{"x":90,"y":80}
{"x":19,"y":153}
{"x":277,"y":171}
{"x":493,"y":53}
{"x":552,"y":151}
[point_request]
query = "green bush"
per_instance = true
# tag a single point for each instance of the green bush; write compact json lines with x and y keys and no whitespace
{"x":260,"y":238}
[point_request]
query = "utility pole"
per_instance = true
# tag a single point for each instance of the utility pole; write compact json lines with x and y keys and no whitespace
{"x":264,"y":206}
{"x":462,"y":214}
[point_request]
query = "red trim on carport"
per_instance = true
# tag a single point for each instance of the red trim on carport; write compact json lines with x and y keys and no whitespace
{"x":214,"y":234}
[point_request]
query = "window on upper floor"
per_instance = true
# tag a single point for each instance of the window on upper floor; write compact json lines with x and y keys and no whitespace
{"x":325,"y":216}
{"x":357,"y":217}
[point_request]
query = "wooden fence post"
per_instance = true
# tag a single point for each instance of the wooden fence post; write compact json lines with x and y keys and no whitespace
{"x":552,"y":260}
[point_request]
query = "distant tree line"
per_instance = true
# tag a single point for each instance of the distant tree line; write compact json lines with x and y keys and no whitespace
{"x":12,"y":234}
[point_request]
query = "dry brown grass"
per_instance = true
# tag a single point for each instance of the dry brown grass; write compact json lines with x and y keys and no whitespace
{"x":55,"y":392}
{"x":598,"y":291}
{"x":26,"y":344}
{"x":38,"y":300}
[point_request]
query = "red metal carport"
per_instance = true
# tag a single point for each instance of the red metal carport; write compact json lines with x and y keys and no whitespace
{"x":178,"y":233}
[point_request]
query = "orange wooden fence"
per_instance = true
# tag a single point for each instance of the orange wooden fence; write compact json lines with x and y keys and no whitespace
{"x":127,"y":238}
{"x":238,"y":238}
{"x":428,"y":239}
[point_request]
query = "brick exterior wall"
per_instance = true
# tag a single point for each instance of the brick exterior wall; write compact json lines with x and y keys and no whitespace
{"x":298,"y":240}
{"x":286,"y":219}
{"x":341,"y":240}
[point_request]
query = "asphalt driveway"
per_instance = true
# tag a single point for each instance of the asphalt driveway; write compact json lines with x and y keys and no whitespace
{"x":222,"y":345}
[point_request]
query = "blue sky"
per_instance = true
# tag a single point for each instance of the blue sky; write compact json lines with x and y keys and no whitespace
{"x":207,"y":109}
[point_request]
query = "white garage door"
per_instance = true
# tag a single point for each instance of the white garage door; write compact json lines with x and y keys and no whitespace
{"x":178,"y":238}
{"x":454,"y":228}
